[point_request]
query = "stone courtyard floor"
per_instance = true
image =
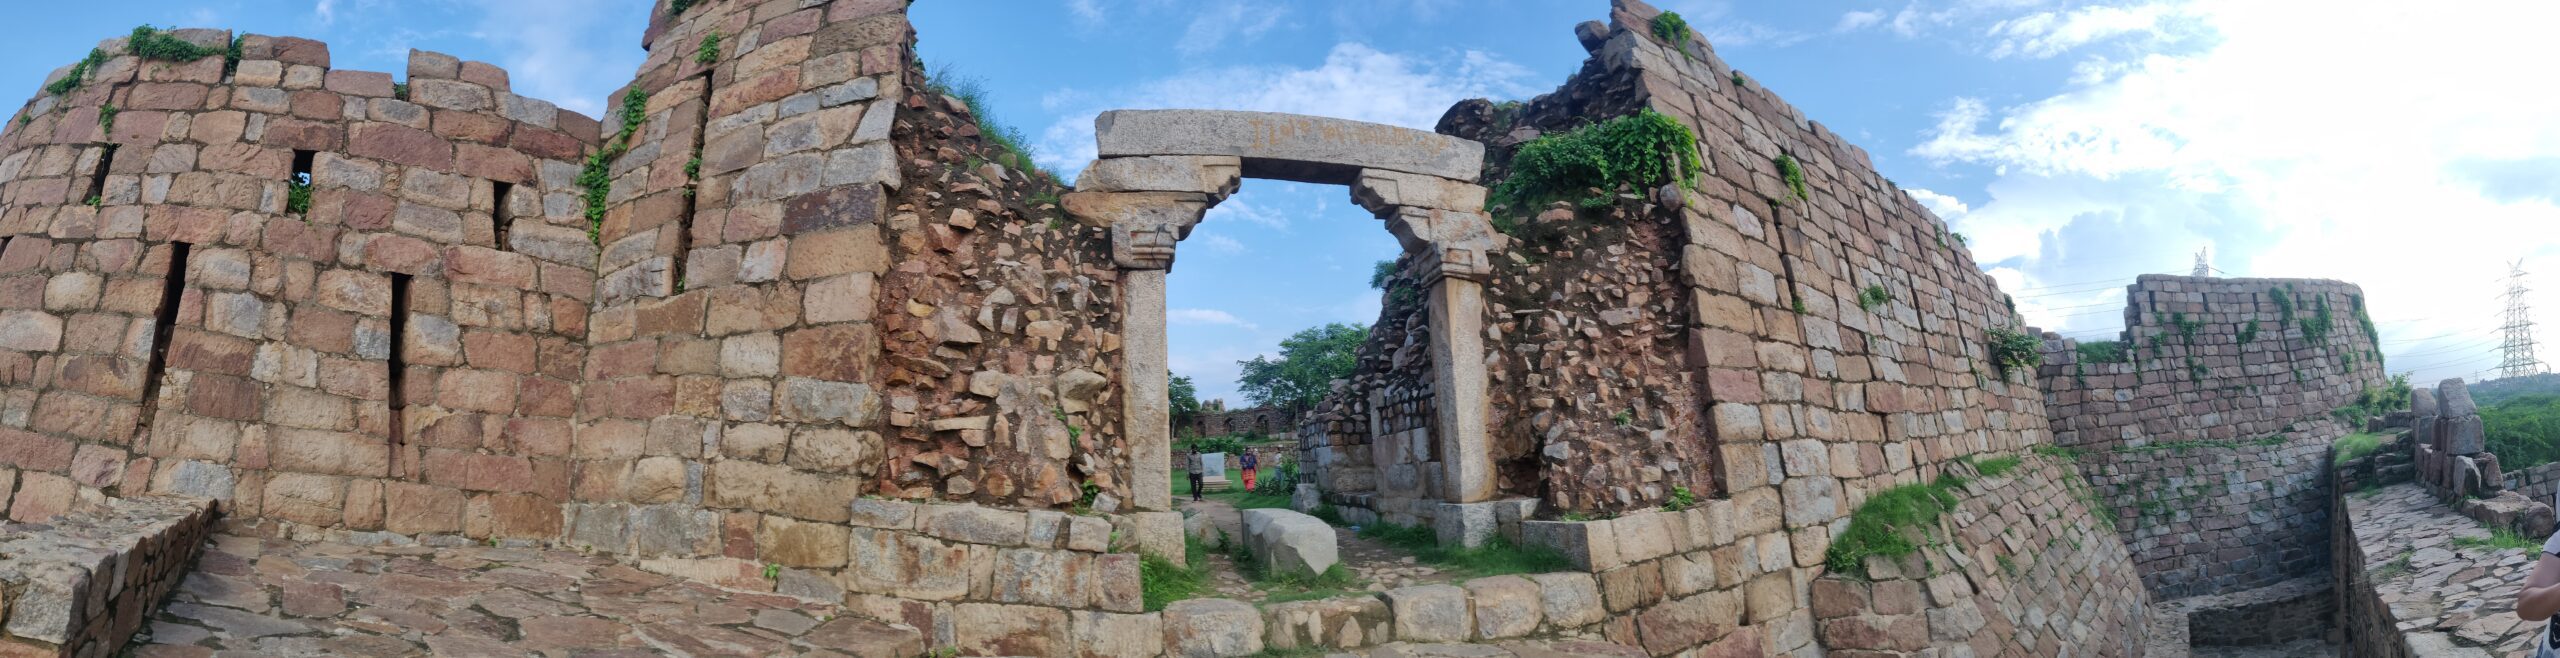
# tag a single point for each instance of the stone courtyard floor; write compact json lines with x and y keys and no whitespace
{"x":2432,"y":582}
{"x":283,"y":599}
{"x":274,"y":598}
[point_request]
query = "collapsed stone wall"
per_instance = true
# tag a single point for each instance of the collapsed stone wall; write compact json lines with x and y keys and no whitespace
{"x":2217,"y":377}
{"x":404,"y":354}
{"x":84,"y":582}
{"x":1258,"y":420}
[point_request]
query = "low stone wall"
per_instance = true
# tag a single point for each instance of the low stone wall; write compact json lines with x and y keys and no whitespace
{"x":2022,"y":573}
{"x":2297,"y":609}
{"x":81,"y":584}
{"x":2536,"y":483}
{"x":2411,"y":580}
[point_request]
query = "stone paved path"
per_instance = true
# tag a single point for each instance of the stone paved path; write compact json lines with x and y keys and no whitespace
{"x":1515,"y":649}
{"x":2294,"y":649}
{"x":2431,"y":583}
{"x":253,"y":597}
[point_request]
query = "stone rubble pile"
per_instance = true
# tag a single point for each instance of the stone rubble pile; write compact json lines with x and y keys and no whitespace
{"x":2453,"y":461}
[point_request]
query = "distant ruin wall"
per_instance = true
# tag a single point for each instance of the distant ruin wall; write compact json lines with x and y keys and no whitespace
{"x":2209,"y":437}
{"x":1254,"y":420}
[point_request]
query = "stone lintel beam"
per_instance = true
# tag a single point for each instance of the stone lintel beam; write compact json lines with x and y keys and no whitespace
{"x":1289,"y":146}
{"x":1386,"y":192}
{"x":1214,"y":175}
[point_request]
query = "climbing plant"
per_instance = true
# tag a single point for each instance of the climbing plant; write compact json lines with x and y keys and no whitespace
{"x":1873,"y":297}
{"x":596,"y":178}
{"x":1635,"y":151}
{"x":709,"y":51}
{"x":150,"y":42}
{"x":78,"y":73}
{"x":1673,"y":29}
{"x":1793,"y":173}
{"x":2012,"y":350}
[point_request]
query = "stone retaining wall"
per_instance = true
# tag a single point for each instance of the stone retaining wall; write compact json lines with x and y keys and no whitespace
{"x":2022,"y":573}
{"x":2218,"y":378}
{"x":2297,"y":609}
{"x":83,"y":583}
{"x":2535,"y":483}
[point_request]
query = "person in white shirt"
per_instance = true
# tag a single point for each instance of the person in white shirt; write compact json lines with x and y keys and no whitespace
{"x":2539,"y":601}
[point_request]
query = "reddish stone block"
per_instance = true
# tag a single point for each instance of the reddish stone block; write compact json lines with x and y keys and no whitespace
{"x":139,"y":127}
{"x":542,"y":396}
{"x":495,"y":163}
{"x":371,"y":84}
{"x":792,"y":24}
{"x":486,"y":391}
{"x":630,"y":398}
{"x":765,"y":88}
{"x":416,"y":508}
{"x":293,"y":50}
{"x":547,"y":144}
{"x":539,"y":437}
{"x":485,"y":266}
{"x":22,"y":449}
{"x":403,"y":254}
{"x":523,"y":516}
{"x":318,"y":105}
{"x":304,"y":135}
{"x":833,"y":208}
{"x":485,"y":74}
{"x":223,"y":397}
{"x":843,"y":352}
{"x":401,"y":144}
{"x":166,"y":96}
{"x":365,"y":212}
{"x":471,"y":127}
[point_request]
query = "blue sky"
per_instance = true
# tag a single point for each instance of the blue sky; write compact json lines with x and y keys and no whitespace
{"x":2078,"y":143}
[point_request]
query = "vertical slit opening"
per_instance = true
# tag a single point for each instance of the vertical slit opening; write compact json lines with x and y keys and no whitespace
{"x":693,"y":174}
{"x":98,"y":179}
{"x":499,"y":219}
{"x":398,"y":401}
{"x":164,"y":326}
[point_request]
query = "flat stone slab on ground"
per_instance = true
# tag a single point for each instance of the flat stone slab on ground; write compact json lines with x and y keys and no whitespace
{"x":333,"y":599}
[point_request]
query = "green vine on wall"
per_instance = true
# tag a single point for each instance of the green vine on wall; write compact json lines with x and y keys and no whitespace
{"x":78,"y":74}
{"x":596,"y":178}
{"x":1671,"y":28}
{"x":1635,"y":151}
{"x":2012,"y":350}
{"x":1793,"y":174}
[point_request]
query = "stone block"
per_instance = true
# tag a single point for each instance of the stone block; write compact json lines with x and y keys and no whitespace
{"x":1106,"y":635}
{"x":1505,"y":606}
{"x":1289,"y":147}
{"x":1214,"y":628}
{"x":973,"y":524}
{"x":1160,"y":534}
{"x":1342,"y":623}
{"x":1286,"y":542}
{"x":984,"y":629}
{"x":1213,"y":175}
{"x":1570,"y":600}
{"x":1591,"y":546}
{"x":1431,"y":613}
{"x":1647,"y":535}
{"x":1465,"y":524}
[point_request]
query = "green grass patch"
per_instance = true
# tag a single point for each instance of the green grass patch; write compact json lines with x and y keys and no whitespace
{"x":150,"y":42}
{"x":1893,"y":523}
{"x":2502,"y":539}
{"x":1497,"y":557}
{"x":1636,"y":151}
{"x":1234,"y":495}
{"x":1793,"y":174}
{"x":709,"y":51}
{"x":2350,"y":447}
{"x":2012,"y":350}
{"x":2103,"y":351}
{"x":972,"y":92}
{"x":1160,"y":581}
{"x":2397,"y":567}
{"x":1874,"y":297}
{"x":1997,"y":466}
{"x":78,"y":74}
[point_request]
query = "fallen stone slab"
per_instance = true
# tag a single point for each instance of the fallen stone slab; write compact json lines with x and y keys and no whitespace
{"x":1284,"y":541}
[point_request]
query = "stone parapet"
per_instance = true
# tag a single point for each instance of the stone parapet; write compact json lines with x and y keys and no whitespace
{"x":83,"y":583}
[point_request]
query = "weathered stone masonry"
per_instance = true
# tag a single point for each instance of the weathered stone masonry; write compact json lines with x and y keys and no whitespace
{"x":2210,"y":441}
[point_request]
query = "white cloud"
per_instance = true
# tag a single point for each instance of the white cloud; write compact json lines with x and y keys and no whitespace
{"x":1354,"y":82}
{"x":1206,"y":316}
{"x":1947,"y":207}
{"x":1086,"y":11}
{"x":1858,"y":20}
{"x":1219,"y":243}
{"x":1246,"y":210}
{"x":326,"y":11}
{"x":2045,"y":34}
{"x":2293,"y":146}
{"x":558,"y":47}
{"x":1228,"y":23}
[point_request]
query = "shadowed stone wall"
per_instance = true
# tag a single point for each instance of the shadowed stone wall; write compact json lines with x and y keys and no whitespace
{"x":2210,"y":438}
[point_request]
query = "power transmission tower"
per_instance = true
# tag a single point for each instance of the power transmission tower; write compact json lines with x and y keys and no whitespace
{"x":2519,"y":360}
{"x":2204,"y":262}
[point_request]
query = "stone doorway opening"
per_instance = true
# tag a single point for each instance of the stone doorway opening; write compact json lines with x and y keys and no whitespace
{"x":1160,"y":171}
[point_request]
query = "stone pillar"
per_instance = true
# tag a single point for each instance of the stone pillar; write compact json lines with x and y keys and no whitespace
{"x":1458,"y":389}
{"x":1148,"y":419}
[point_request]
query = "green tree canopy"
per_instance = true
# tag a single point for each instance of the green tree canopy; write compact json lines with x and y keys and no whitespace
{"x":1309,"y":362}
{"x":1186,"y":401}
{"x":1385,"y":269}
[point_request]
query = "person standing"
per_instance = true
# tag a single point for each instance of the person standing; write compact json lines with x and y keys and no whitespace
{"x":1249,"y":462}
{"x":1191,"y":466}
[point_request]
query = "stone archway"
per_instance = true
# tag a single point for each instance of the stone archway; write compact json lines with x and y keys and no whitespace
{"x":1161,"y":170}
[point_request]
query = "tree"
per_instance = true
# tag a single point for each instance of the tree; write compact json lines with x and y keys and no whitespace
{"x":1185,"y":399}
{"x":1378,"y":276}
{"x":1309,"y":362}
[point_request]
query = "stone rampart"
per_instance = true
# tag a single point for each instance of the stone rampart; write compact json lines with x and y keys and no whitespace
{"x":1266,"y":421}
{"x":2216,"y":377}
{"x":319,"y":295}
{"x":84,"y":582}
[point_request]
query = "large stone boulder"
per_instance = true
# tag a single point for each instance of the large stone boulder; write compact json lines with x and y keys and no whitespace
{"x":2422,"y":402}
{"x":1283,"y":541}
{"x":2454,"y":399}
{"x":2462,"y":435}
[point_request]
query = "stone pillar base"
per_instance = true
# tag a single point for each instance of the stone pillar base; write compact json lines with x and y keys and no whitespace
{"x":1160,"y":534}
{"x":1472,"y":524}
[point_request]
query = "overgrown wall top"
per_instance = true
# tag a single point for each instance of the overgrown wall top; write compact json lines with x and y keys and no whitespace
{"x":2209,"y":437}
{"x":275,"y":391}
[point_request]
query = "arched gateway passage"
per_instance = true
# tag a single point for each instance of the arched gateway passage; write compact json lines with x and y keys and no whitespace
{"x":1160,"y":170}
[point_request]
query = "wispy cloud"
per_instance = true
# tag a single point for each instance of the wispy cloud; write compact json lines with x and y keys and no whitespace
{"x":326,"y":11}
{"x":1219,"y":243}
{"x":559,"y":46}
{"x":1206,"y":316}
{"x":1086,"y":11}
{"x":2045,"y":34}
{"x":1858,"y":20}
{"x":1228,"y":23}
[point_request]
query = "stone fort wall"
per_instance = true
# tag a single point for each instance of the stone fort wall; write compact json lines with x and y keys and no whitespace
{"x":2209,"y":438}
{"x":1805,"y":402}
{"x":404,"y":355}
{"x":1262,"y":420}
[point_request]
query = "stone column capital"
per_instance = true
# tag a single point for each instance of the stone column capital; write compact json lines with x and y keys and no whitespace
{"x":1144,"y":225}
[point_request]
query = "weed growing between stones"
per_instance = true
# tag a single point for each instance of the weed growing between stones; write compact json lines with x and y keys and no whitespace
{"x":1637,"y":151}
{"x":78,"y":74}
{"x":2012,"y":350}
{"x":709,"y":51}
{"x":772,"y":571}
{"x":149,"y":42}
{"x":1793,"y":173}
{"x":1671,"y":28}
{"x":2397,"y":567}
{"x":596,"y":178}
{"x":297,"y":195}
{"x":2354,"y":446}
{"x":1739,"y":81}
{"x":2057,"y":452}
{"x":2499,"y":539}
{"x":1874,"y":297}
{"x":1681,"y":499}
{"x":1497,"y":557}
{"x":2249,"y":332}
{"x":677,"y":7}
{"x":107,"y":118}
{"x":1892,"y":523}
{"x":972,"y":93}
{"x":2316,"y":328}
{"x":2103,"y":351}
{"x":400,"y":91}
{"x":1997,"y":466}
{"x":1330,"y":515}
